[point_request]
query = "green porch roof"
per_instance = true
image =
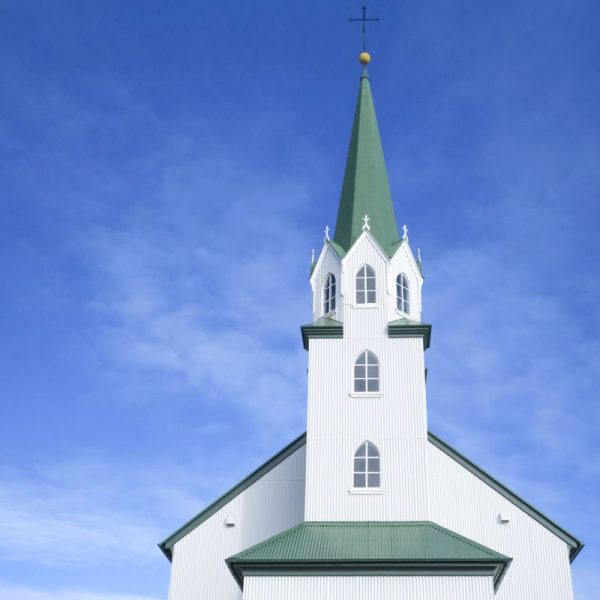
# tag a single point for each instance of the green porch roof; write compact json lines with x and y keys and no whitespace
{"x":420,"y":547}
{"x":365,"y":189}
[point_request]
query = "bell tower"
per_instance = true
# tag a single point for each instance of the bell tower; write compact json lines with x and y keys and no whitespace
{"x":367,"y":421}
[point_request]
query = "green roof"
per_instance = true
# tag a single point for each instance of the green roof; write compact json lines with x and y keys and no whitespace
{"x":421,"y":545}
{"x":408,"y":328}
{"x":325,"y":327}
{"x":365,"y":190}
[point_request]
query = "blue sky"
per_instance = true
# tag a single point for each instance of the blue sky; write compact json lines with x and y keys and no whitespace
{"x":166,"y":170}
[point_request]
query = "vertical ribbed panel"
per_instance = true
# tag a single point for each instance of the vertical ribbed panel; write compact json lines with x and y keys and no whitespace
{"x":394,"y":420}
{"x":369,"y":588}
{"x":463,"y":503}
{"x":403,"y":262}
{"x":330,"y":263}
{"x":272,"y":504}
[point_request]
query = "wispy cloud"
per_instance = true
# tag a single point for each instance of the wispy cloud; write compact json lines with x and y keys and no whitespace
{"x":23,"y":592}
{"x":53,"y":519}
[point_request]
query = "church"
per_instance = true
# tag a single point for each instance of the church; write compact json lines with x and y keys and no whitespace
{"x":368,"y":503}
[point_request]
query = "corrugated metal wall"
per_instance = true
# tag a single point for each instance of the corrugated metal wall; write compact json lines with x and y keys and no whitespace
{"x":395,"y":419}
{"x":330,"y":263}
{"x":272,"y":504}
{"x":463,"y":503}
{"x":419,"y":482}
{"x":369,"y":588}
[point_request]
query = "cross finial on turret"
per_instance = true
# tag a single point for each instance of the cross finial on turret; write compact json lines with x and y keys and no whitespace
{"x":366,"y":220}
{"x":312,"y":257}
{"x":404,"y":232}
{"x":419,"y":254}
{"x":326,"y":232}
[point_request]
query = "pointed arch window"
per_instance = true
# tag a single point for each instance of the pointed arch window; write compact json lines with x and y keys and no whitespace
{"x":402,"y":293}
{"x":365,"y":285}
{"x":367,"y":466}
{"x":366,"y":373}
{"x":329,"y":294}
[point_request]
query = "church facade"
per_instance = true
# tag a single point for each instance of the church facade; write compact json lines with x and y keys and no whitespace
{"x":368,"y":504}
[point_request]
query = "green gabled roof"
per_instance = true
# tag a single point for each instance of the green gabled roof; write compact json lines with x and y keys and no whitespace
{"x":419,"y":546}
{"x":365,"y":189}
{"x":325,"y":327}
{"x":408,"y":328}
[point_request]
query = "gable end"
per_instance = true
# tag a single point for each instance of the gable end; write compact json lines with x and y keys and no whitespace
{"x":574,"y":544}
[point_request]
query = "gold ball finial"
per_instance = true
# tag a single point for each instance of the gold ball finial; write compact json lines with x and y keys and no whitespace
{"x":364,"y":58}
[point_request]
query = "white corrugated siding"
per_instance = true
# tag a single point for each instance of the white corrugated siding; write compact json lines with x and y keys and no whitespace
{"x":272,"y":504}
{"x":463,"y":503}
{"x":329,"y":263}
{"x":338,"y":421}
{"x":403,"y":262}
{"x":369,"y":588}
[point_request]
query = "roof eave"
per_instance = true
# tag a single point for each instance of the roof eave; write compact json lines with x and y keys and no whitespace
{"x":167,"y":544}
{"x":575,"y":546}
{"x":494,"y":567}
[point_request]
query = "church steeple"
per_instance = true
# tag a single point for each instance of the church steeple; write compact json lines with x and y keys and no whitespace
{"x":366,"y":189}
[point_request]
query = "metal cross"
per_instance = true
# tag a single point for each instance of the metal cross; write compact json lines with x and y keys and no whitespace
{"x":327,"y":232}
{"x":404,"y":232}
{"x":366,"y":219}
{"x":364,"y":20}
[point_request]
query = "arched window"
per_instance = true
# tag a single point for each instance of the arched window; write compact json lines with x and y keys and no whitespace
{"x":365,"y":285}
{"x":367,"y":468}
{"x":402,"y":293}
{"x":329,"y":294}
{"x":366,"y":373}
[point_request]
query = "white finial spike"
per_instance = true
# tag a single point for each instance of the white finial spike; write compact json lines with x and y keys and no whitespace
{"x":326,"y":232}
{"x":366,"y":225}
{"x":404,"y":232}
{"x":312,"y":258}
{"x":419,"y":254}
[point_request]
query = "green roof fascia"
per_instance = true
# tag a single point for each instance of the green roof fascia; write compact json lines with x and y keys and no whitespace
{"x":575,"y":545}
{"x":330,"y":548}
{"x":167,"y":544}
{"x":494,"y":568}
{"x":365,"y":189}
{"x":323,"y":328}
{"x":403,"y":328}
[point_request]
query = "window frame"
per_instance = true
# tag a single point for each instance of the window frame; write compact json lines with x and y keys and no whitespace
{"x":371,"y":453}
{"x":403,"y":299}
{"x":364,"y":274}
{"x":367,"y":377}
{"x":329,"y":301}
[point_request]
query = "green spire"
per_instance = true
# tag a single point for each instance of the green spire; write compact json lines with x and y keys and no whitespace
{"x":365,"y":190}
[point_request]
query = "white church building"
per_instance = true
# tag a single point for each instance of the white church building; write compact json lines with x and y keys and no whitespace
{"x":368,"y":504}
